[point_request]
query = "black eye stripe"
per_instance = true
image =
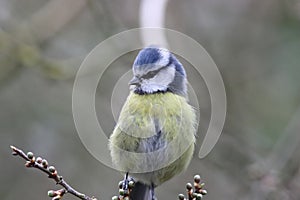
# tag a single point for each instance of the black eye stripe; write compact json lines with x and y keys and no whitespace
{"x":151,"y":74}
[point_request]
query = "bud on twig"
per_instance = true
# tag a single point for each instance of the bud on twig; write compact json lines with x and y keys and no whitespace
{"x":197,"y":193}
{"x":42,"y":164}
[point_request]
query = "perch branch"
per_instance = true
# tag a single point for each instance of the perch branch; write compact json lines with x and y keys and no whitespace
{"x":52,"y":173}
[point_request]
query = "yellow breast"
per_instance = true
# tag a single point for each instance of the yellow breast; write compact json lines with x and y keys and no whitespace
{"x":170,"y":112}
{"x":141,"y":118}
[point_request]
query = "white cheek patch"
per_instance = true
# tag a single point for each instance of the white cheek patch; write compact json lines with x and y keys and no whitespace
{"x":164,"y":77}
{"x":159,"y":82}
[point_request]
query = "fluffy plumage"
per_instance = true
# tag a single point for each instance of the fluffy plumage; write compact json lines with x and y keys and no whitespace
{"x":155,"y":134}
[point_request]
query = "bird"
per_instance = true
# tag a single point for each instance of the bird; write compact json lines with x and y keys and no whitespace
{"x":154,"y":137}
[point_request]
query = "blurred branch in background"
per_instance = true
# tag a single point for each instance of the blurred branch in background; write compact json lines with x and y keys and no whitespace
{"x":21,"y":46}
{"x":53,"y":17}
{"x":286,"y":145}
{"x":272,"y":171}
{"x":17,"y":54}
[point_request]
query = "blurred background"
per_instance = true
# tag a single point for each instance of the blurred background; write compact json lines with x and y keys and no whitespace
{"x":255,"y":44}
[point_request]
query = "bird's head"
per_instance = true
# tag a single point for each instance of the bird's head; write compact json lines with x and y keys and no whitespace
{"x":157,"y":70}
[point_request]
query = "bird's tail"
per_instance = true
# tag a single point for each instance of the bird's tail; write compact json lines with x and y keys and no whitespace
{"x":142,"y":191}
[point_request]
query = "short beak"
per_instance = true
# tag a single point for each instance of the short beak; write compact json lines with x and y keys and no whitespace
{"x":134,"y":81}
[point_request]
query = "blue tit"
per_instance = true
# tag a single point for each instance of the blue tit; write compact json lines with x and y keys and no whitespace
{"x":154,"y":137}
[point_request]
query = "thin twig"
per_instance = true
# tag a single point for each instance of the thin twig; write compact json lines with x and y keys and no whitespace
{"x":42,"y":165}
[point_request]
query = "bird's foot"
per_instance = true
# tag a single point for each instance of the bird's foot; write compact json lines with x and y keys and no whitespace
{"x":125,"y":188}
{"x":127,"y":182}
{"x":153,"y":197}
